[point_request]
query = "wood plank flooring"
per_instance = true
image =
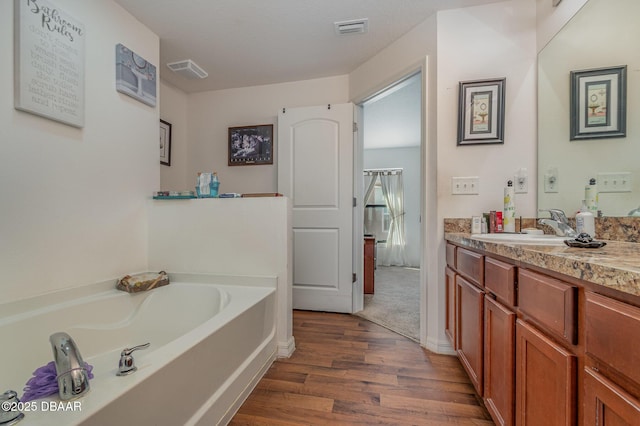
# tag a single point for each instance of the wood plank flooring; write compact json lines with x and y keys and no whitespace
{"x":349,"y":371}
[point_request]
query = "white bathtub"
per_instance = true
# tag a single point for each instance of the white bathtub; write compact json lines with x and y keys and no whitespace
{"x":210,"y":344}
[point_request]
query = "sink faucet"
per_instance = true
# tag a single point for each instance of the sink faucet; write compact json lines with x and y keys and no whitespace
{"x":73,"y":380}
{"x":559,"y":223}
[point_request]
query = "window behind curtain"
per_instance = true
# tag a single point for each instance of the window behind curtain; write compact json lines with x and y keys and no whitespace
{"x":376,"y":214}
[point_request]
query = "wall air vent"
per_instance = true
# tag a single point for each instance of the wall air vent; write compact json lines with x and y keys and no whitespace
{"x":354,"y":26}
{"x":188,"y":69}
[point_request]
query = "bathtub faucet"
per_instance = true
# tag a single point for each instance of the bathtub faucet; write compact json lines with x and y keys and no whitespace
{"x":73,"y":380}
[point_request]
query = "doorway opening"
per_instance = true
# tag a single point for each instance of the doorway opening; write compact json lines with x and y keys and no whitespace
{"x":392,"y":138}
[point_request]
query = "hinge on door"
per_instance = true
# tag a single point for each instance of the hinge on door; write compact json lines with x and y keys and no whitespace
{"x":355,"y":127}
{"x":354,"y":277}
{"x":355,"y":201}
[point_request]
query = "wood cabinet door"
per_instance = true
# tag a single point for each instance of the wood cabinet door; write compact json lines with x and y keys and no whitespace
{"x":450,"y":318}
{"x":499,"y":361}
{"x":470,"y":330}
{"x":606,"y":404}
{"x":545,"y":380}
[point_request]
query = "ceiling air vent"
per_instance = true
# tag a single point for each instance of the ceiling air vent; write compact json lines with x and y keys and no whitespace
{"x":355,"y":26}
{"x":188,"y":69}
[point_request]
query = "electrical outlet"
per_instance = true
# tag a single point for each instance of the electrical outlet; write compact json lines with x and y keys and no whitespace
{"x":465,"y":185}
{"x":614,"y":182}
{"x":521,"y":181}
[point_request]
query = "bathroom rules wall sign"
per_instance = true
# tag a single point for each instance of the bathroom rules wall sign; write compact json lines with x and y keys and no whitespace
{"x":48,"y":62}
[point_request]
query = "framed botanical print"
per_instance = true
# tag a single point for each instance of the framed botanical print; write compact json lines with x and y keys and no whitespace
{"x":481,"y":112}
{"x":599,"y":103}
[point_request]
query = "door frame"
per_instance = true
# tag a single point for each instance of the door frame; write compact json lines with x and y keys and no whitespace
{"x":426,"y":190}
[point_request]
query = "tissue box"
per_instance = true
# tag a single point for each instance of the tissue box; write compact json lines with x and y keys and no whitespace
{"x":142,"y":282}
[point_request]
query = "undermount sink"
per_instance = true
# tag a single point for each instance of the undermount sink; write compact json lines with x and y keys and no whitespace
{"x":531,"y":239}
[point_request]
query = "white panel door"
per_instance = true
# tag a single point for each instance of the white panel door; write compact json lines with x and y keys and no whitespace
{"x":315,"y":170}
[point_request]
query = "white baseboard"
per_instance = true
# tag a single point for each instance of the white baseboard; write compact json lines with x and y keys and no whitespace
{"x":440,"y":346}
{"x":286,"y":349}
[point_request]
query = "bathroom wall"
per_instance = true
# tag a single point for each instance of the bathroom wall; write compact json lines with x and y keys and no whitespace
{"x":408,"y":159}
{"x":173,"y":109}
{"x":210,"y":114}
{"x":73,"y":207}
{"x":492,"y":41}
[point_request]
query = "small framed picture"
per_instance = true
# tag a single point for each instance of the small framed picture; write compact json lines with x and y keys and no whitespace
{"x":165,"y":143}
{"x":251,"y":145}
{"x":481,"y":112}
{"x":599,"y":103}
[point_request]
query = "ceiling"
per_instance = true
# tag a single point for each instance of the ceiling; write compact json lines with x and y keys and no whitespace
{"x":242,"y":43}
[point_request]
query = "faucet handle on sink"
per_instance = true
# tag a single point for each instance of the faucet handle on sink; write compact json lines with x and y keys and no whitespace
{"x":556,"y":214}
{"x":127,"y":364}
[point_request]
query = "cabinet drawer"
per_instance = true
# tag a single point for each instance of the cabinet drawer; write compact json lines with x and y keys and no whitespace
{"x":550,"y":302}
{"x":499,"y":279}
{"x":613,"y":333}
{"x":471,"y":265}
{"x":451,"y":255}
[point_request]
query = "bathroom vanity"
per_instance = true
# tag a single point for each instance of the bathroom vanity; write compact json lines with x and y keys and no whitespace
{"x":549,"y":335}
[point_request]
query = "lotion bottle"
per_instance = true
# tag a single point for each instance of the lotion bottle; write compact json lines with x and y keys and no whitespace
{"x":509,"y":216}
{"x":591,"y":197}
{"x":585,"y":221}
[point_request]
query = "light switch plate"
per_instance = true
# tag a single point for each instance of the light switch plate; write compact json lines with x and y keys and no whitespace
{"x":614,"y":182}
{"x":469,"y":185}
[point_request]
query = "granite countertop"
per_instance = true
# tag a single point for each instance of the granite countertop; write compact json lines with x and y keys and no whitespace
{"x":616,"y":265}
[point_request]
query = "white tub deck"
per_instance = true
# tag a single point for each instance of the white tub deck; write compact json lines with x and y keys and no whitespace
{"x":210,"y":343}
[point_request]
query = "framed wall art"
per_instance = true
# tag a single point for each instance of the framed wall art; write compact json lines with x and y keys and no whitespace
{"x":251,"y":145}
{"x":49,"y":62}
{"x":135,"y":76}
{"x":165,"y":143}
{"x":481,"y":112}
{"x":599,"y":103}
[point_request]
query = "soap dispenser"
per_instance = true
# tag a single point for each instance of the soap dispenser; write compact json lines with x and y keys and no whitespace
{"x":509,"y":219}
{"x":215,"y":185}
{"x":591,"y":197}
{"x":585,"y":221}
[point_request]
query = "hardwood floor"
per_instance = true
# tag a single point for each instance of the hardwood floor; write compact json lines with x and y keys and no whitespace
{"x":349,"y":371}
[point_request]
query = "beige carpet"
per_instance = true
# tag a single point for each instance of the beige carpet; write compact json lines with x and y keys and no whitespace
{"x":396,"y":301}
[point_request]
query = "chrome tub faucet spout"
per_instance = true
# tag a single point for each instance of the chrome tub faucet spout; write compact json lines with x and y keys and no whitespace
{"x":73,"y":379}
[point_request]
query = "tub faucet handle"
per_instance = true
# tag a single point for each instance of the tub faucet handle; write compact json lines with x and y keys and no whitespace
{"x":9,"y":409}
{"x":127,"y":364}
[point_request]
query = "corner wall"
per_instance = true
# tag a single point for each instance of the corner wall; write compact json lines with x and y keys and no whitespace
{"x":489,"y":41}
{"x":550,"y":20}
{"x":73,"y":209}
{"x":173,"y":109}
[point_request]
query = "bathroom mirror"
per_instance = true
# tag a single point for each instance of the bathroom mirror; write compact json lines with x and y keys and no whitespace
{"x":603,"y":34}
